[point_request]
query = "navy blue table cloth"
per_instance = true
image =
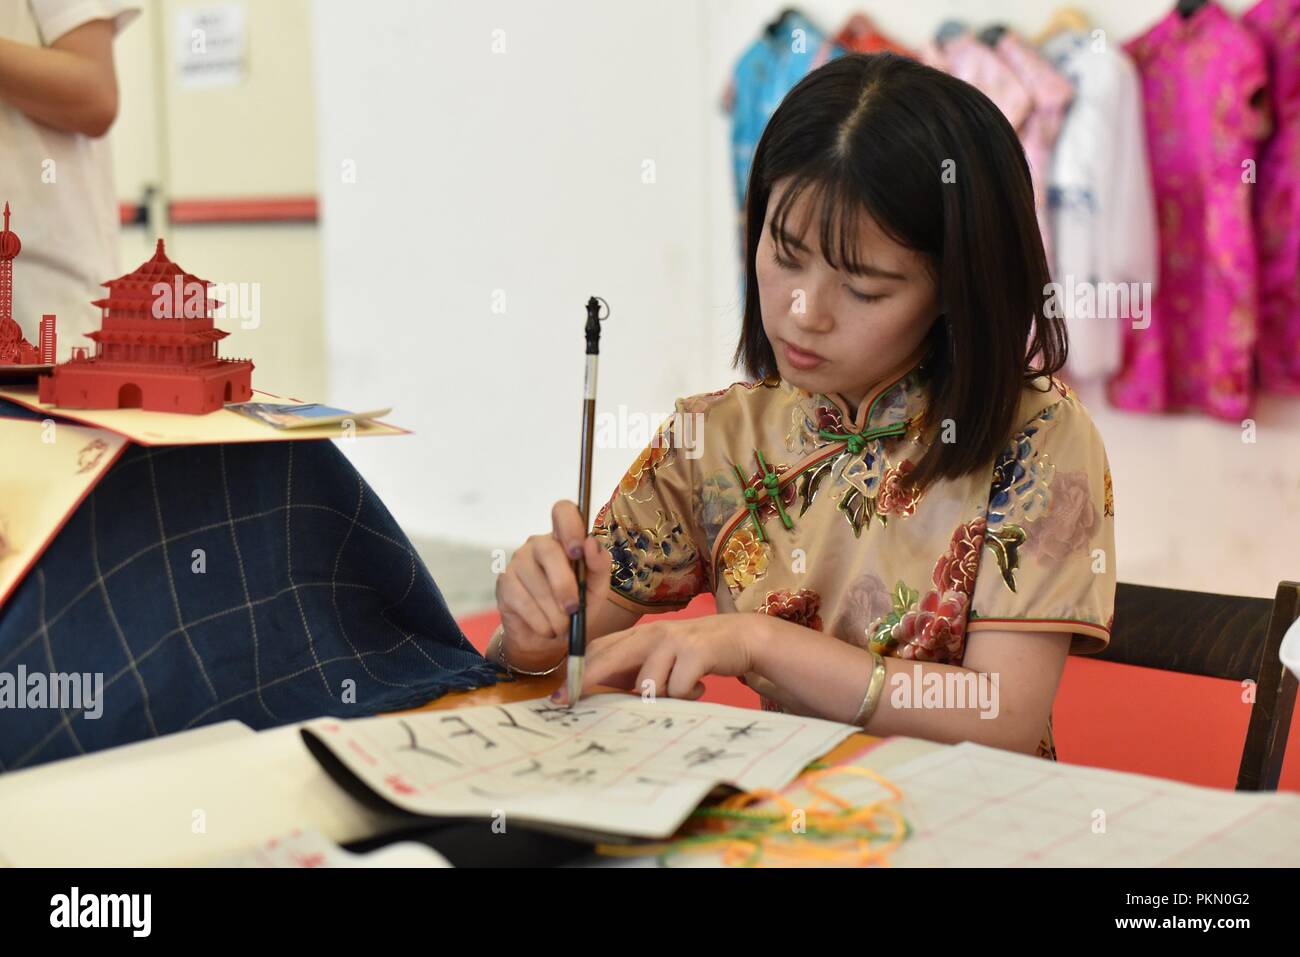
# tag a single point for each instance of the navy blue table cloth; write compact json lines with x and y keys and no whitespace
{"x":259,"y":581}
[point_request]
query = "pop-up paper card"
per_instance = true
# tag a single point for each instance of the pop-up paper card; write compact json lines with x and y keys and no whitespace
{"x":46,"y":471}
{"x":171,"y":428}
{"x":16,"y":353}
{"x":156,"y":349}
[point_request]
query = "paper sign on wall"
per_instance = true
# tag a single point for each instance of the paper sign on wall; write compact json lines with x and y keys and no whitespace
{"x":212,"y":45}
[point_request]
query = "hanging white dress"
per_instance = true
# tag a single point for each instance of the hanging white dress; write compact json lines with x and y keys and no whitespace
{"x":1100,"y":196}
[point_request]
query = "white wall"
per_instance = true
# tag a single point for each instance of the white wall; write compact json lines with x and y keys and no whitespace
{"x":522,"y":172}
{"x":517,"y":174}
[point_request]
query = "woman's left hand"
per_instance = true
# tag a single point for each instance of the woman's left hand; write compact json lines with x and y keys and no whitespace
{"x":673,"y":655}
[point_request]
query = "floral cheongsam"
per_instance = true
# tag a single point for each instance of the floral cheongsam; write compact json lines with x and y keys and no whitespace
{"x":768,"y":70}
{"x":1203,"y":83}
{"x":1277,"y":199}
{"x":777,"y":501}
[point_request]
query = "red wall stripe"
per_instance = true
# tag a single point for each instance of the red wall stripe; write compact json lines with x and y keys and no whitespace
{"x":280,"y":209}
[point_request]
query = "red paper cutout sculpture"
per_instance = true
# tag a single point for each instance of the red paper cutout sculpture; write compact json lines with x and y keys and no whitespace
{"x":156,"y":349}
{"x":14,"y":349}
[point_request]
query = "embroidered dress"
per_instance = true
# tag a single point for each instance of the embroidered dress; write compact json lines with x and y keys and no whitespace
{"x":1025,"y":87}
{"x":1277,"y":199}
{"x":1051,"y":94}
{"x":1201,"y":80}
{"x":859,"y":35}
{"x":781,"y":502}
{"x":966,"y":58}
{"x":764,"y":74}
{"x":769,"y":69}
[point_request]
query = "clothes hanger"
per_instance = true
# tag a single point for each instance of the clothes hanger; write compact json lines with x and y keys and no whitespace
{"x":991,"y":34}
{"x":1186,"y":8}
{"x":947,"y":30}
{"x":781,"y":17}
{"x":1063,"y":20}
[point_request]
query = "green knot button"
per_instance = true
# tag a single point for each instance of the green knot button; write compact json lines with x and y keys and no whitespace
{"x":855,"y":442}
{"x":772,"y":488}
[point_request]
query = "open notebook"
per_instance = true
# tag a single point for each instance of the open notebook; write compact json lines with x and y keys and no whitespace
{"x":611,"y":765}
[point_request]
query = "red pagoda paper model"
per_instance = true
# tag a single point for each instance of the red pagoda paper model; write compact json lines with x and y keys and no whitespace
{"x":156,"y":349}
{"x":14,"y":349}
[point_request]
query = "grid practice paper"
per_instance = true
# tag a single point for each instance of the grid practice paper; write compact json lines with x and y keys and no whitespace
{"x":970,"y":805}
{"x":973,"y":804}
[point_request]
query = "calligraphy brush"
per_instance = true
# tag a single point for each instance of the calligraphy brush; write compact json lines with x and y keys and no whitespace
{"x":578,"y":621}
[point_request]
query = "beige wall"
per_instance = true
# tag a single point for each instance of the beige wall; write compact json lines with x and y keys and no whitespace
{"x":257,"y":139}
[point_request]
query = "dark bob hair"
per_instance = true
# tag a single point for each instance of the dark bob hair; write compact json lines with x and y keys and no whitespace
{"x":935,"y":163}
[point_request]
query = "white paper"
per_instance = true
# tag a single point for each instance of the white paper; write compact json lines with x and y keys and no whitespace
{"x":312,"y":849}
{"x":68,"y":770}
{"x":184,"y":807}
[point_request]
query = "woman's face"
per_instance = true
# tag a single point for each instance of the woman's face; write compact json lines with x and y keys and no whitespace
{"x":833,"y":331}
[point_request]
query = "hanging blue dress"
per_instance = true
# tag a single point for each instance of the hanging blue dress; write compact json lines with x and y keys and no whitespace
{"x":763,"y":75}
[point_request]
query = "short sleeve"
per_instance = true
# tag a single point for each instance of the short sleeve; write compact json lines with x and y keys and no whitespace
{"x":1048,"y":557}
{"x":56,"y":18}
{"x":649,"y":524}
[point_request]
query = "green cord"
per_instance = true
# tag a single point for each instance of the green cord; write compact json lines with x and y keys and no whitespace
{"x":773,"y":486}
{"x":751,"y":503}
{"x":857,"y":441}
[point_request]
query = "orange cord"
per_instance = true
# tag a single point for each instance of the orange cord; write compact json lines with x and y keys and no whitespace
{"x":837,"y":841}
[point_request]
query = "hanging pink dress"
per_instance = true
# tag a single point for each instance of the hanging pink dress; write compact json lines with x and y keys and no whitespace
{"x":1203,"y":83}
{"x":1277,"y":199}
{"x":1051,"y":94}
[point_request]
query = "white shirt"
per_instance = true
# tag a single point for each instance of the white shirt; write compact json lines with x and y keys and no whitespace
{"x":60,"y":187}
{"x":1100,"y":193}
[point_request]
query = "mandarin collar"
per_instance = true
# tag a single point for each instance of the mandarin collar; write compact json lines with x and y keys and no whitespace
{"x":899,"y":398}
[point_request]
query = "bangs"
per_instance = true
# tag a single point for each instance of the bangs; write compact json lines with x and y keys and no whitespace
{"x":843,"y":213}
